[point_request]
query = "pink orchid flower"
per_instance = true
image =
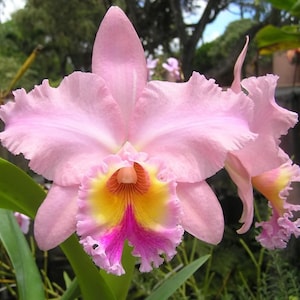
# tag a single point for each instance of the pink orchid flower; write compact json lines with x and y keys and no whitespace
{"x":262,"y":163}
{"x":151,"y":65}
{"x":128,"y":158}
{"x":173,"y":69}
{"x":275,"y":186}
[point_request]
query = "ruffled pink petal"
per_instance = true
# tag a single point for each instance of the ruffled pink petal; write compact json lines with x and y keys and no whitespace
{"x":56,"y":217}
{"x":118,"y":57}
{"x":269,"y":117}
{"x":64,"y":130}
{"x":202,"y":212}
{"x":191,"y":126}
{"x":275,"y":185}
{"x":277,"y":231}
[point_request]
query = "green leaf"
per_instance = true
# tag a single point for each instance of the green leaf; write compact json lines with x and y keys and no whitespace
{"x":29,"y":283}
{"x":89,"y":279}
{"x":73,"y":291}
{"x":121,"y":284}
{"x":291,"y":6}
{"x":270,"y":39}
{"x":18,"y":191}
{"x":175,"y":281}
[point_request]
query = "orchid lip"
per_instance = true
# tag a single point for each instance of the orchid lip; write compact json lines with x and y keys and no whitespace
{"x":128,"y":200}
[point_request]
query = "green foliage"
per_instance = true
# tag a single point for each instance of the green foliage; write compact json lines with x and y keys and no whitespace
{"x":18,"y":191}
{"x":122,"y":283}
{"x":64,"y":29}
{"x":29,"y":281}
{"x":292,"y":6}
{"x":271,"y":39}
{"x":170,"y":286}
{"x":12,"y":57}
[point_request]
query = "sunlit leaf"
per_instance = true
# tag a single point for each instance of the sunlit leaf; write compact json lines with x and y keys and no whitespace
{"x":271,"y":39}
{"x":285,"y":5}
{"x":29,"y":283}
{"x":175,"y":281}
{"x":291,"y":6}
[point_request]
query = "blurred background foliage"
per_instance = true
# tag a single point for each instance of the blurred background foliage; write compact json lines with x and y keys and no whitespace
{"x":65,"y":31}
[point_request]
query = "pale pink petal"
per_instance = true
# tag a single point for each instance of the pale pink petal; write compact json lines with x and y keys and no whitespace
{"x":257,"y":157}
{"x":64,"y":130}
{"x":202,"y":212}
{"x":269,"y":117}
{"x":191,"y":126}
{"x":236,"y":84}
{"x":118,"y":57}
{"x":260,"y":155}
{"x":277,"y":231}
{"x":242,"y":179}
{"x":56,"y":217}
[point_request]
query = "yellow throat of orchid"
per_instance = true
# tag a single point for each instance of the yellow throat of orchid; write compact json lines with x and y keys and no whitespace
{"x":271,"y":184}
{"x":111,"y":194}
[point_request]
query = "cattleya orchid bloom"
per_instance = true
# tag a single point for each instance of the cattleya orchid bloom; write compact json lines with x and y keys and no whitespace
{"x":262,"y":164}
{"x":128,"y":158}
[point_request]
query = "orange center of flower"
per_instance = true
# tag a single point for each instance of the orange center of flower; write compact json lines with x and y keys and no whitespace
{"x":127,"y":175}
{"x":111,"y":194}
{"x":128,"y":180}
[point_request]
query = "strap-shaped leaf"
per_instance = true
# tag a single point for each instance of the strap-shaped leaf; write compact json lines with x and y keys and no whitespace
{"x":29,"y":283}
{"x":122,"y":283}
{"x":174,"y":282}
{"x":18,"y":191}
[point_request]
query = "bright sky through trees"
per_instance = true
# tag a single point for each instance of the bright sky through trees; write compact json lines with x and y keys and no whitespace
{"x":211,"y":32}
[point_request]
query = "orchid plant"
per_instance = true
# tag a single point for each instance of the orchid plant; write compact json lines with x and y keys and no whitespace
{"x":128,"y":158}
